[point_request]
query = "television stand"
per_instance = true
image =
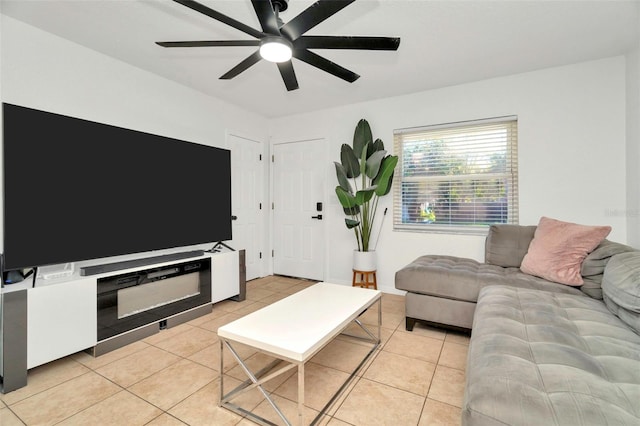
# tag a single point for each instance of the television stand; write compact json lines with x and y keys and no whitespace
{"x":59,"y":317}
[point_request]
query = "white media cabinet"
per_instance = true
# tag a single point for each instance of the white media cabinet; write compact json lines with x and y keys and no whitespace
{"x":62,"y":312}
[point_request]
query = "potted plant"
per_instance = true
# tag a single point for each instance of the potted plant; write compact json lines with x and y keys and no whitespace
{"x":365,"y":173}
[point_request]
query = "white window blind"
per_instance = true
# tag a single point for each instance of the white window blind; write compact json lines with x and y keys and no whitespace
{"x":458,"y":177}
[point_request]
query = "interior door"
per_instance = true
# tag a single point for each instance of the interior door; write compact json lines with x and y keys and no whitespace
{"x":298,"y":197}
{"x":246,"y":201}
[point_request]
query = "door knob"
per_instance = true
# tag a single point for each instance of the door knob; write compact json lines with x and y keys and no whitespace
{"x":319,"y":217}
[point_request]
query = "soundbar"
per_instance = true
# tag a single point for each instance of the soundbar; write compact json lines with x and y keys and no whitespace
{"x":126,"y":264}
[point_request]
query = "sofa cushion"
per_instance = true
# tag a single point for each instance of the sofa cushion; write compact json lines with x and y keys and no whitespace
{"x":592,"y":269}
{"x":547,"y":358}
{"x":621,"y":288}
{"x":461,"y":279}
{"x":506,"y":245}
{"x":558,"y":249}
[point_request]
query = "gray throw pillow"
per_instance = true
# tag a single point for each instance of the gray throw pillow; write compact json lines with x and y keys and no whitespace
{"x":621,"y":288}
{"x":593,"y":266}
{"x":506,"y":245}
{"x":596,"y":261}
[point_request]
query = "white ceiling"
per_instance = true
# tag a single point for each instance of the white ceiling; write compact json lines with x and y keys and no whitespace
{"x":443,"y":43}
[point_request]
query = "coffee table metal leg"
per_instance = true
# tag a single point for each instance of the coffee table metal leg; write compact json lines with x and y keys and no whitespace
{"x":379,"y":320}
{"x":301,"y":394}
{"x":221,"y":374}
{"x":224,"y":399}
{"x":372,"y":337}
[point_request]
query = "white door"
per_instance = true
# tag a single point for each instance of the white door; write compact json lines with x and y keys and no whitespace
{"x":246,"y":201}
{"x":298,"y":237}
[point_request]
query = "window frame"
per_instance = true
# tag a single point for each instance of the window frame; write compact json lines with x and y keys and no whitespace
{"x":510,"y":174}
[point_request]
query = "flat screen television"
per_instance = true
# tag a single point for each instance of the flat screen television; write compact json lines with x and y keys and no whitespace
{"x":76,"y":190}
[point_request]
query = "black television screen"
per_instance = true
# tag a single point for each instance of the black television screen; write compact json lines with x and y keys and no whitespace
{"x":77,"y":190}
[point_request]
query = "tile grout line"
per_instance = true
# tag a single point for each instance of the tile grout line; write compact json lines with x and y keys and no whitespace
{"x":15,"y":414}
{"x":49,"y":388}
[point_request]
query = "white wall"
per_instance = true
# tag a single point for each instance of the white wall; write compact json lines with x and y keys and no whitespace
{"x":632,"y":211}
{"x":46,"y":72}
{"x":571,"y":125}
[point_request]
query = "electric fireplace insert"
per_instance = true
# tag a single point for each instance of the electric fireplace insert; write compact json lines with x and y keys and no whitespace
{"x":129,"y":301}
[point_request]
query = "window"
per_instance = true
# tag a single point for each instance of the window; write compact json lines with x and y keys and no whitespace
{"x":459,"y":177}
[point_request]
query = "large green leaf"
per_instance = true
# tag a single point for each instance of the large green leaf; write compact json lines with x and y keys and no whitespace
{"x":385,"y":176}
{"x":365,"y":195}
{"x":363,"y":163}
{"x":378,"y":145}
{"x":349,"y":161}
{"x":351,"y":211}
{"x":342,"y":177}
{"x":373,"y":163}
{"x":351,"y":223}
{"x":371,"y":148}
{"x":346,"y":200}
{"x":361,"y":137}
{"x":389,"y":186}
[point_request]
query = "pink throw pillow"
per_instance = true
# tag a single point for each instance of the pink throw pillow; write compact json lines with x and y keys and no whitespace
{"x":558,"y":249}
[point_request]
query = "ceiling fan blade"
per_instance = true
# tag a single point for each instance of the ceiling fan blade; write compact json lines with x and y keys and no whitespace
{"x":208,"y":43}
{"x":312,"y":16}
{"x":249,"y":61}
{"x":191,"y":4}
{"x":288,"y":75}
{"x":266,"y":16}
{"x":347,"y":42}
{"x":325,"y":65}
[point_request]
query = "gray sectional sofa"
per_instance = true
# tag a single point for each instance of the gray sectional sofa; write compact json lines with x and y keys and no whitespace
{"x":541,"y":353}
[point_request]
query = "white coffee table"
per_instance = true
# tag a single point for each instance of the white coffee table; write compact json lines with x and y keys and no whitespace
{"x":294,"y":329}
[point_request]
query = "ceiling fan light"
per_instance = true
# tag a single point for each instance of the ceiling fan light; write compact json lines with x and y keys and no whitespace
{"x":275,"y":49}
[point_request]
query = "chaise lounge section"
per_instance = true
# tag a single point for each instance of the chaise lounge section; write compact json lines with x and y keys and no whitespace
{"x":544,"y":358}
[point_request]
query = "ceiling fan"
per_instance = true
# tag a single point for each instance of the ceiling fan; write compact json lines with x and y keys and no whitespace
{"x":278,"y":41}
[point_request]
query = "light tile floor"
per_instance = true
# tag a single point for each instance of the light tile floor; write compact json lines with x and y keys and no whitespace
{"x":171,"y":378}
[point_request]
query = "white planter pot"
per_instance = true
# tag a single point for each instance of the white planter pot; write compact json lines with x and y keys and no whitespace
{"x":364,"y":260}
